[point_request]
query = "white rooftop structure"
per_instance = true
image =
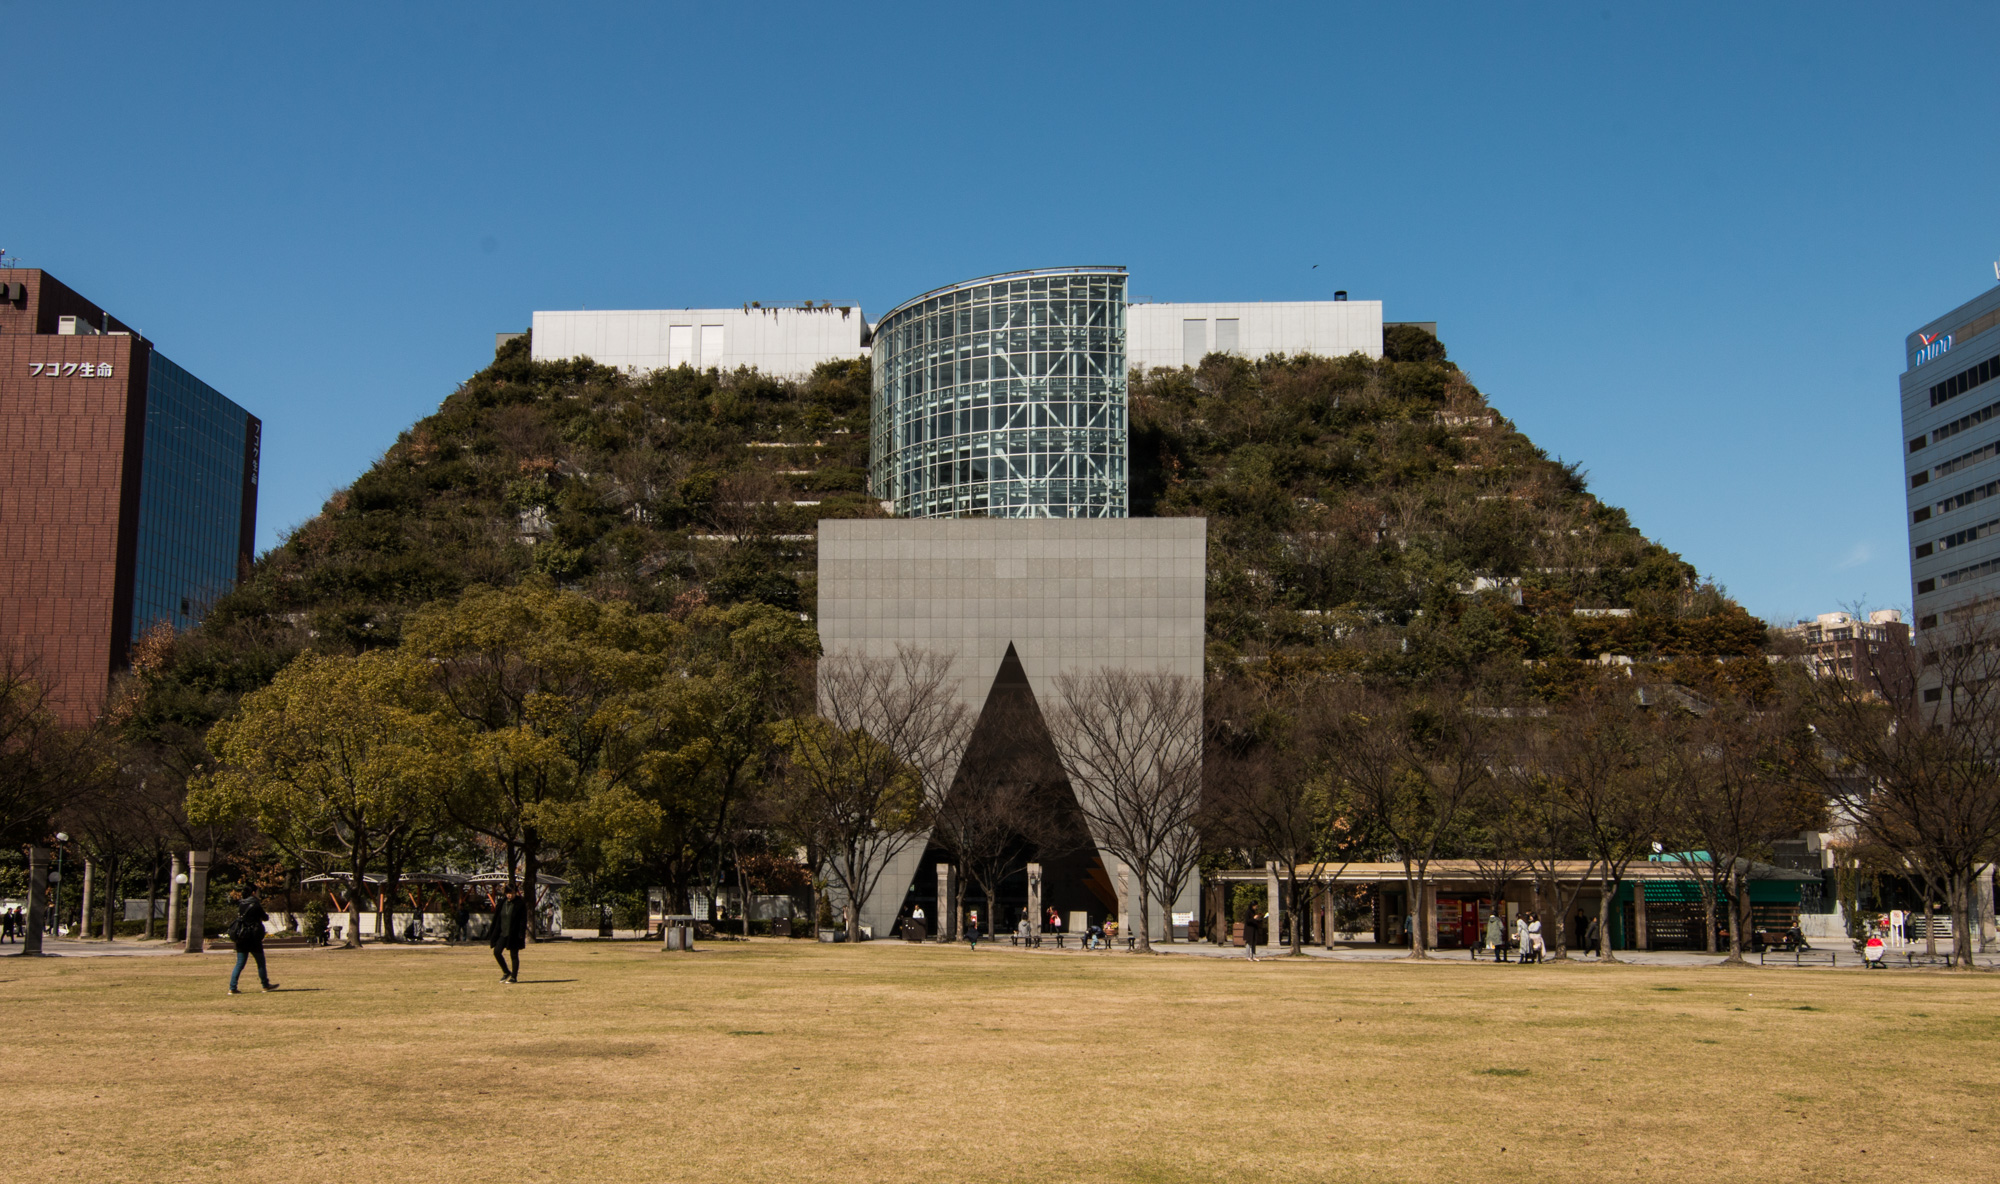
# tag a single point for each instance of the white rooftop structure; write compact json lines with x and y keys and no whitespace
{"x":785,"y":341}
{"x":1173,"y":335}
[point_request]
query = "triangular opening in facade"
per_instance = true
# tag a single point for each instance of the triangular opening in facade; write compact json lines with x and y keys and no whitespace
{"x":1009,"y":805}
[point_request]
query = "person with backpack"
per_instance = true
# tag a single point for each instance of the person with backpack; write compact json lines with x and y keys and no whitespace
{"x":510,"y":933}
{"x":246,"y":933}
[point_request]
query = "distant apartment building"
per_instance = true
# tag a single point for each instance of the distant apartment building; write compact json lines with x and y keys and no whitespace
{"x":128,"y":493}
{"x":1841,"y":645}
{"x":1951,"y":431}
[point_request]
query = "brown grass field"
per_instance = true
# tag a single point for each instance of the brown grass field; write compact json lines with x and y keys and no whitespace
{"x":796,"y":1062}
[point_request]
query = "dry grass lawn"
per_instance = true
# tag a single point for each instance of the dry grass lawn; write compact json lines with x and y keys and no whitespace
{"x":796,"y":1062}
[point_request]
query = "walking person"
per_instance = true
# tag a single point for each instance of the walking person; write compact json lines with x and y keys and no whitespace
{"x":1252,"y":923}
{"x":1496,"y":937}
{"x":1535,"y":936}
{"x":510,"y":933}
{"x":246,"y":933}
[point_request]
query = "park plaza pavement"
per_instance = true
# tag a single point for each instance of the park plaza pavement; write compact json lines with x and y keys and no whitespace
{"x":1845,"y":957}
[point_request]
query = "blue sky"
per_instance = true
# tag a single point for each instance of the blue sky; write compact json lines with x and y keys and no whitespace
{"x":1680,"y":247}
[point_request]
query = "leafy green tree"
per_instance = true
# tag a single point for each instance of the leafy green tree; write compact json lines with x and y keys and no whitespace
{"x":737,"y":671}
{"x":337,"y":755}
{"x":546,"y":683}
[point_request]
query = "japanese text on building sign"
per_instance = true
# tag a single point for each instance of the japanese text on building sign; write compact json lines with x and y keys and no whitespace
{"x":69,"y":369}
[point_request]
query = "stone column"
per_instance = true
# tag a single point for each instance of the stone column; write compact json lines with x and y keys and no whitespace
{"x":1982,"y":908}
{"x":1639,"y":941}
{"x":1035,"y":899}
{"x":38,"y":894}
{"x":173,"y":894}
{"x":83,"y":916}
{"x":1271,"y":921}
{"x":197,"y":898}
{"x":1124,"y":900}
{"x":947,"y":920}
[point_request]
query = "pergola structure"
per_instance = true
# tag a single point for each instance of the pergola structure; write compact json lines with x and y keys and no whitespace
{"x":1658,"y":903}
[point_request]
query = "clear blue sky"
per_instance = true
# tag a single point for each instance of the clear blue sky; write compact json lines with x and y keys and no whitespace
{"x":1679,"y":247}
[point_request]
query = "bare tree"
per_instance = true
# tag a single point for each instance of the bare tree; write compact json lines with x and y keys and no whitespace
{"x":1544,"y":826}
{"x":1911,"y":754}
{"x":1132,"y":745}
{"x":1596,"y":765}
{"x":34,"y":758}
{"x":1731,"y":793}
{"x":856,"y":778}
{"x":1269,"y":788}
{"x":1415,"y":767}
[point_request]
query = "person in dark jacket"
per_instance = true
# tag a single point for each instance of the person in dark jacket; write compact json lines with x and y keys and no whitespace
{"x":510,"y":933}
{"x":246,"y":933}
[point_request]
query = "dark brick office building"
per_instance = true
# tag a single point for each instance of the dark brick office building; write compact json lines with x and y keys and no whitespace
{"x":128,"y":489}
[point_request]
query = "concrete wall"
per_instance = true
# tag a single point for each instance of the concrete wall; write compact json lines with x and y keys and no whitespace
{"x":1069,"y":594}
{"x":1161,"y":334}
{"x":786,"y":342}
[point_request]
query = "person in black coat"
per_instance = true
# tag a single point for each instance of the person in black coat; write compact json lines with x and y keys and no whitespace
{"x":510,"y":933}
{"x":246,"y":933}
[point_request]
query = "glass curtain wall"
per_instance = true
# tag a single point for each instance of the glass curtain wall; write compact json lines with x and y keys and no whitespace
{"x":191,"y":480}
{"x":1004,"y":397}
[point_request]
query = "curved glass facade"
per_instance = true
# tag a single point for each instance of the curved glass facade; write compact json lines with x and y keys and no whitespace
{"x":1005,"y":397}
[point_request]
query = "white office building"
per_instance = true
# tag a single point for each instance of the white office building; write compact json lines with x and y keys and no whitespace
{"x":786,"y":341}
{"x":1172,"y":335}
{"x":1951,"y":425}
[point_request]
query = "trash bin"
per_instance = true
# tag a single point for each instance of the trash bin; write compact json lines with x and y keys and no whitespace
{"x":677,"y":930}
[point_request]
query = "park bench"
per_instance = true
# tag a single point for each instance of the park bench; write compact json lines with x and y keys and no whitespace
{"x":1798,"y":957}
{"x":1499,"y":954}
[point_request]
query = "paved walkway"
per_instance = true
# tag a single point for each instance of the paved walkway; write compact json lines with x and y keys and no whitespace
{"x":69,"y":947}
{"x":1844,"y":958}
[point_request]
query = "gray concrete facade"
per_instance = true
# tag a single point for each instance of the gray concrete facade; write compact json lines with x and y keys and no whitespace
{"x":1070,"y":595}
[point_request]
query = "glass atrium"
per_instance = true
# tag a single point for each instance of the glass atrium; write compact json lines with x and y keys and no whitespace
{"x":1005,"y":397}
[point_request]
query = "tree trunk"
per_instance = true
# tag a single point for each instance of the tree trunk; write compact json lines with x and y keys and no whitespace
{"x":392,"y":876}
{"x":530,"y":874}
{"x":1607,"y":891}
{"x":1298,"y":912}
{"x":1961,"y":920}
{"x":743,"y":893}
{"x":359,"y":864}
{"x":152,"y":895}
{"x":1709,"y":888}
{"x":1413,"y":906}
{"x":111,"y":899}
{"x":1930,"y":925}
{"x":1732,"y":891}
{"x":1144,"y":938}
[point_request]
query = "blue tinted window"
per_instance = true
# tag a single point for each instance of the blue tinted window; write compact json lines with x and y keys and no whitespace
{"x":190,"y":498}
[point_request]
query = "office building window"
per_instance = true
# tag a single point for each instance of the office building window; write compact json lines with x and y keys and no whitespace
{"x":1226,"y":340}
{"x":1194,"y":342}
